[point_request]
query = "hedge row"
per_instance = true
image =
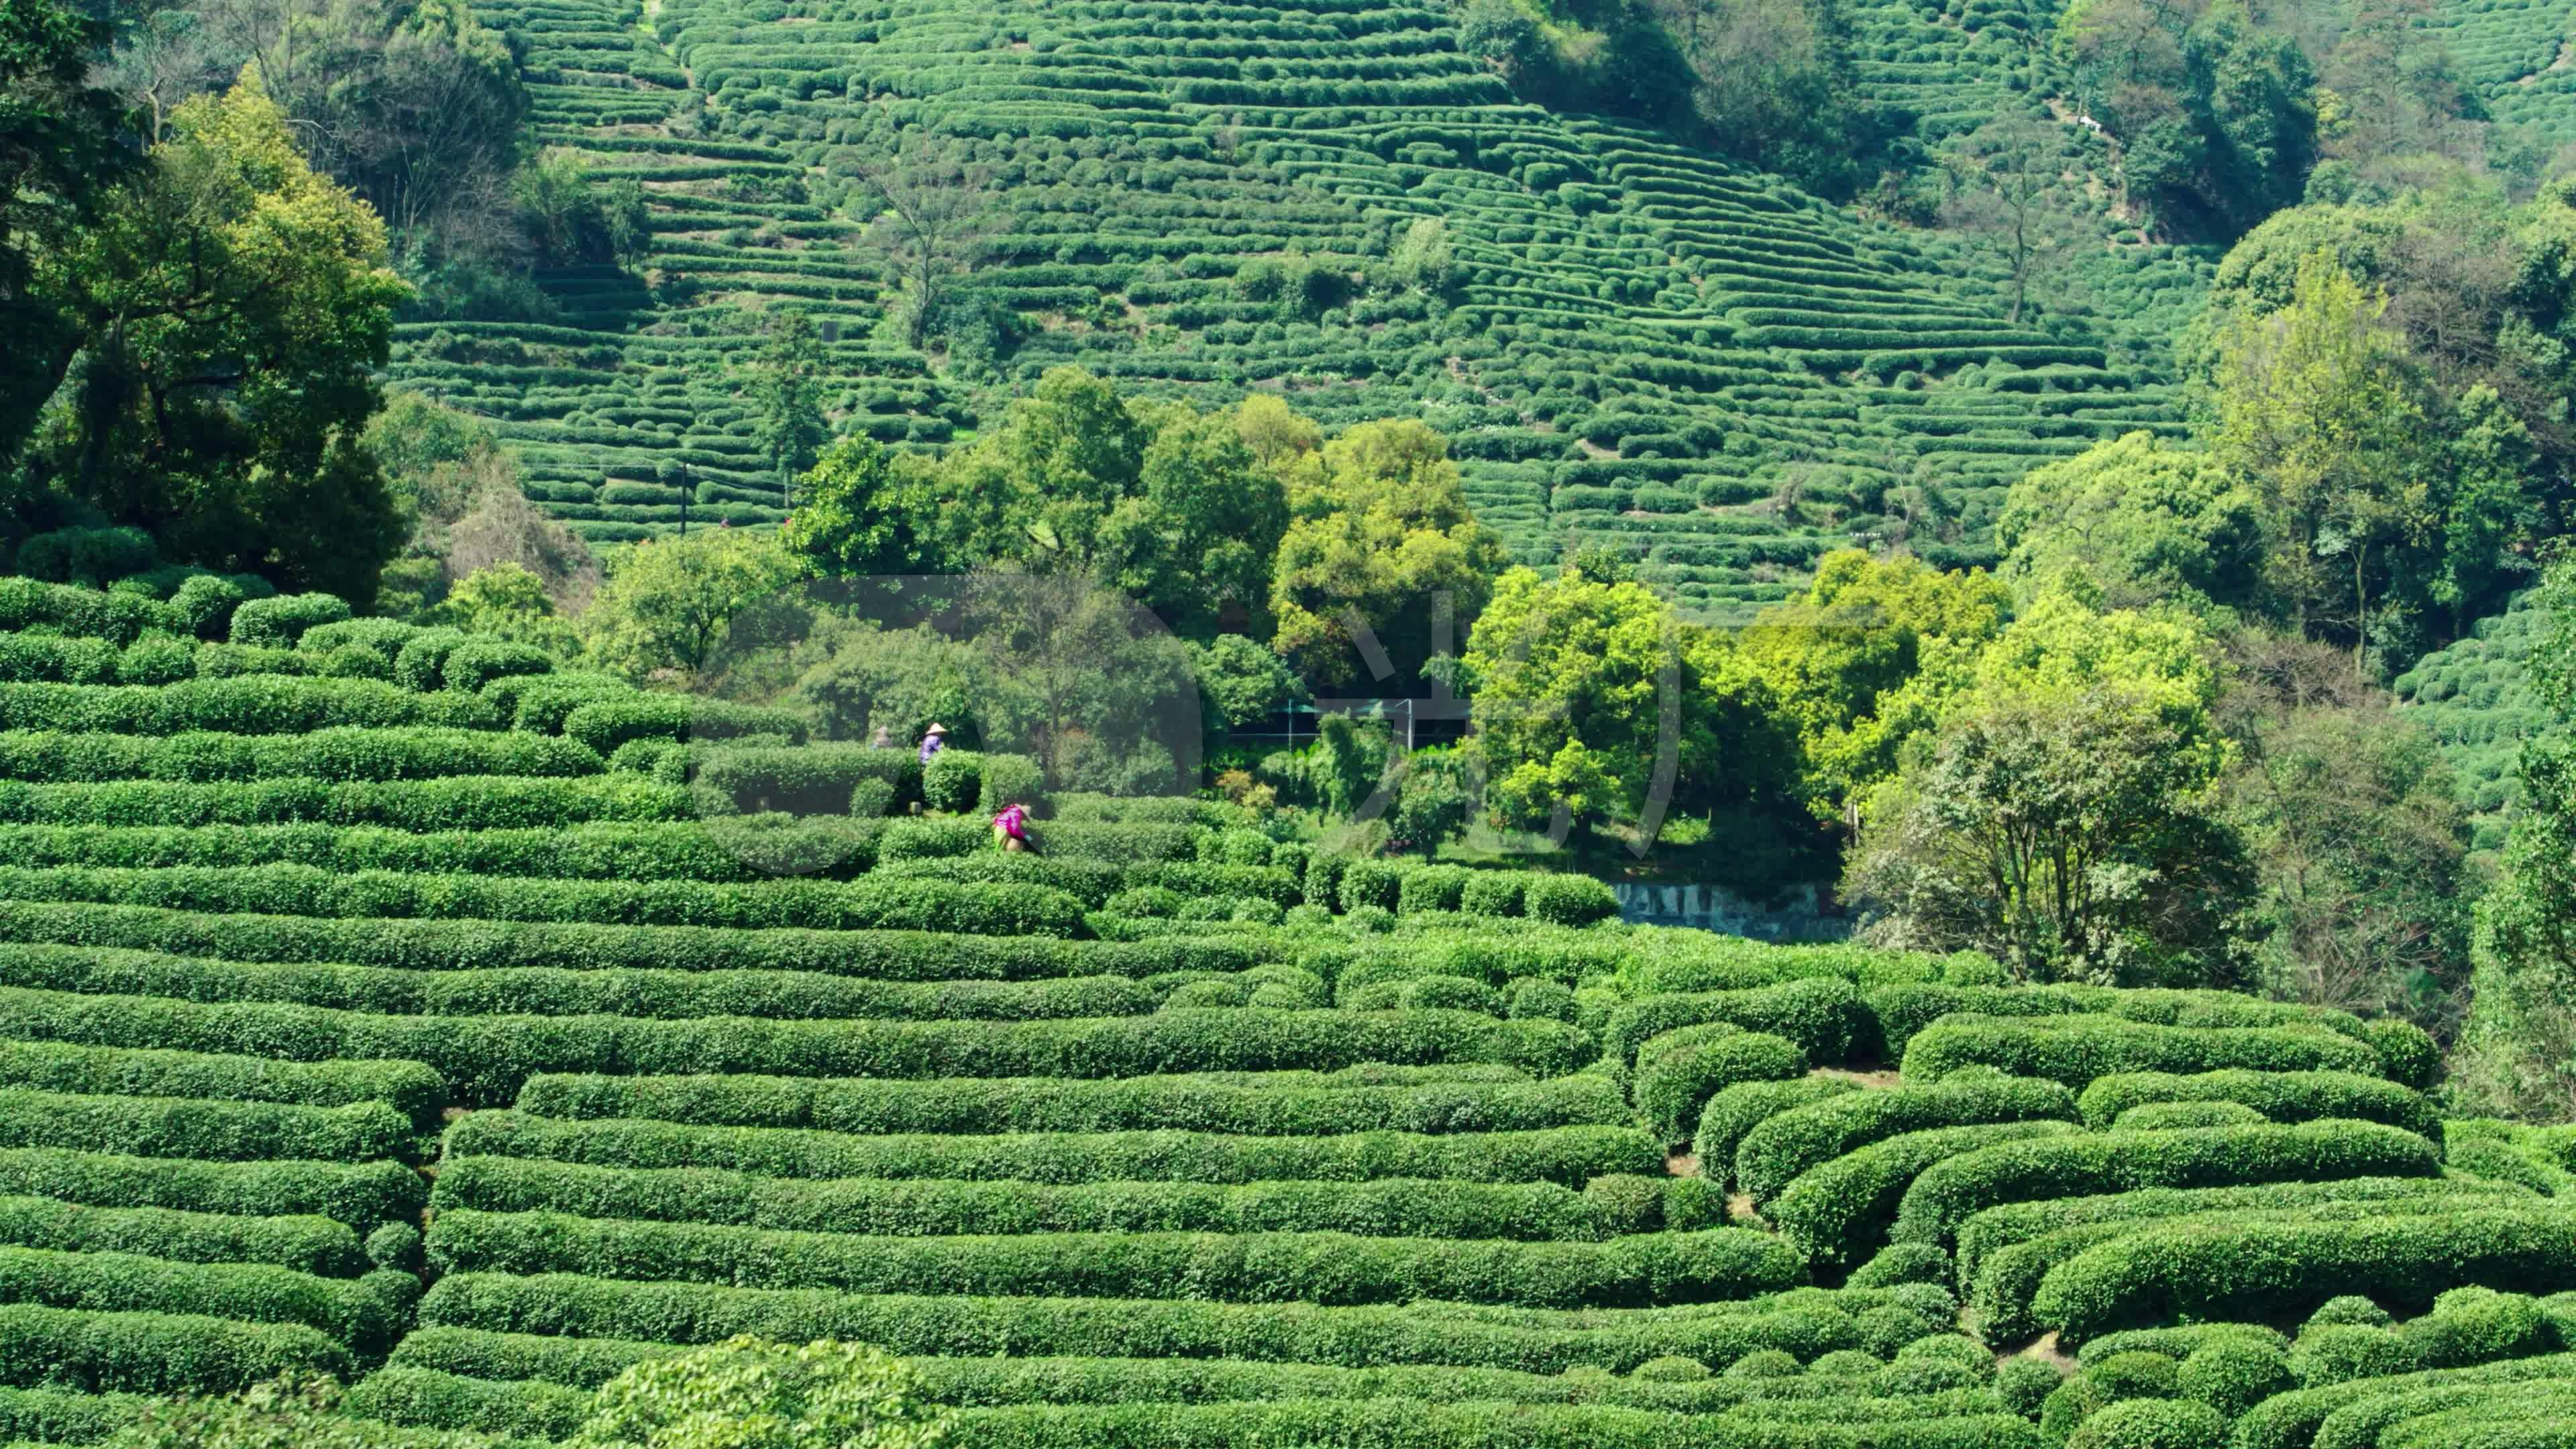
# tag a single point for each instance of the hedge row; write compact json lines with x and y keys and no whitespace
{"x":2008,"y":1279}
{"x":537,"y":991}
{"x":1568,"y":1155}
{"x":428,"y":945}
{"x":362,"y":1195}
{"x":303,"y":890}
{"x":2282,"y":1271}
{"x":156,"y":1353}
{"x":2291,"y":1420}
{"x":55,"y":1416}
{"x":307,"y":1244}
{"x":1997,"y":1229}
{"x":1376,"y":1421}
{"x":1781,"y":1148}
{"x":1734,"y":1113}
{"x":1817,"y":1014}
{"x":1335,"y":1269}
{"x":679,"y":718}
{"x":1490,"y":1410}
{"x":249,"y":704}
{"x":1402,"y":1207}
{"x":1838,"y":1213}
{"x":718,"y":851}
{"x":1803,"y":1323}
{"x":582,"y":1364}
{"x":2111,"y":1162}
{"x":2077,"y":1049}
{"x":1903,"y":1010}
{"x":331,"y":754}
{"x":195,"y":1127}
{"x":366,"y":1314}
{"x":485,"y":1059}
{"x":2281,"y":1096}
{"x":460,"y":802}
{"x":1678,"y":1072}
{"x":408,"y":1087}
{"x":1286,"y":1104}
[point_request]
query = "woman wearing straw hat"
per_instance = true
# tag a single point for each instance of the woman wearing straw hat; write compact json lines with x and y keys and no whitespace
{"x":933,"y":741}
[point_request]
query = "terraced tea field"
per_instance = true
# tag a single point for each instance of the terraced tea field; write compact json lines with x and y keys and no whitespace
{"x":381,"y":1001}
{"x":1647,"y":347}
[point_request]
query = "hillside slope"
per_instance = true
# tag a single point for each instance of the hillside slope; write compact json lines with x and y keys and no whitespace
{"x":1643,"y":346}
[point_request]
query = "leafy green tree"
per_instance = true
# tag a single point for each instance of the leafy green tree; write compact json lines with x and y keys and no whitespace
{"x":1862,"y":661}
{"x":1590,"y":696}
{"x":59,"y":160}
{"x":2067,"y":837}
{"x":2062,"y":815}
{"x":786,"y":391}
{"x":2138,"y":523}
{"x":752,"y":1393}
{"x":1240,"y":682}
{"x":1433,"y":801}
{"x":234,"y":308}
{"x":2320,"y":417}
{"x":858,"y":676}
{"x":507,"y":600}
{"x":2517,"y":1050}
{"x":1379,"y":530}
{"x":932,"y":214}
{"x":1422,"y":257}
{"x":1195,"y":542}
{"x":668,"y":604}
{"x":2360,"y":849}
{"x":1077,"y":675}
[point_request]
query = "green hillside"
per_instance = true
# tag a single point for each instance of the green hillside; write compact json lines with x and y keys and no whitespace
{"x":391,"y":1003}
{"x":2476,"y":698}
{"x":1646,"y":348}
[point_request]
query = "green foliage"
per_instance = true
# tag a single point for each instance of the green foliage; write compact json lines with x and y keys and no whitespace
{"x":233,"y":306}
{"x":750,"y":1393}
{"x":669,"y":608}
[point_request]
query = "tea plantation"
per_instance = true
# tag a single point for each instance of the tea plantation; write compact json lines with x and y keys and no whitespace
{"x":1637,"y":345}
{"x":378,"y":1000}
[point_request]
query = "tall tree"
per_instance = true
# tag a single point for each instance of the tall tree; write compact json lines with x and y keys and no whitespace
{"x":2319,"y":414}
{"x":933,"y":213}
{"x":2139,"y":523}
{"x":2006,"y":200}
{"x":786,"y":391}
{"x":669,"y":605}
{"x":232,"y":309}
{"x":1381,"y":537}
{"x":59,"y":158}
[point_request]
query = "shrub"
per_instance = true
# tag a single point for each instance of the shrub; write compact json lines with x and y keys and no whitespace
{"x":2267,"y":1270}
{"x":2177,"y":1116}
{"x":156,"y":1353}
{"x":2232,"y":1375}
{"x":1679,"y":1072}
{"x":308,"y":1244}
{"x":1275,"y":1104}
{"x":2076,"y":1049}
{"x":2408,"y":1055}
{"x":1399,"y":1207}
{"x":1804,"y":1323}
{"x":487,"y":1063}
{"x":1329,"y":1268}
{"x":1568,"y":900}
{"x":606,"y":724}
{"x":2151,"y":1424}
{"x":408,"y":1087}
{"x":1817,"y":1015}
{"x":1735,"y":1111}
{"x":222,"y":1131}
{"x":1839,"y":1211}
{"x":1944,"y":1196}
{"x":2025,"y":1383}
{"x":1773,"y":1154}
{"x":2280,"y":1096}
{"x":1569,"y":1155}
{"x":250,"y":704}
{"x":360,"y":1195}
{"x":277,"y":623}
{"x":952,"y":781}
{"x":472,"y":665}
{"x":361,"y":1313}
